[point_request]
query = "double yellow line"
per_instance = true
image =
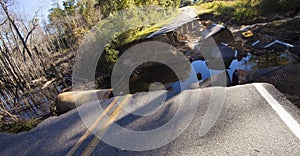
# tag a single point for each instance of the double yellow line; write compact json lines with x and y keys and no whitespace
{"x":114,"y":115}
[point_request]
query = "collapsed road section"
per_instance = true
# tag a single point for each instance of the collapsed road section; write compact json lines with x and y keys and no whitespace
{"x":254,"y":120}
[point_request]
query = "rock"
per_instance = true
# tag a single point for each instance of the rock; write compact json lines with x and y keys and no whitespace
{"x":70,"y":100}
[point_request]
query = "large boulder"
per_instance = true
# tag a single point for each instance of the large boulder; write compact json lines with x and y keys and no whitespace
{"x":70,"y":100}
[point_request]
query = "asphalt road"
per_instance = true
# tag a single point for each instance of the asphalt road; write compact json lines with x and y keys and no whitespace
{"x":247,"y":125}
{"x":187,"y":15}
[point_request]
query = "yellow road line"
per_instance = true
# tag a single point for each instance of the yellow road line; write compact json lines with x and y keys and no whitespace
{"x":92,"y":128}
{"x":92,"y":145}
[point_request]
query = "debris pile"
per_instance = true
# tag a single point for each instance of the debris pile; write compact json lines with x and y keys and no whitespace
{"x":231,"y":44}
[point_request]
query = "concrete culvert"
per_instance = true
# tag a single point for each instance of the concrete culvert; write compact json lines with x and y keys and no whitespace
{"x":70,"y":100}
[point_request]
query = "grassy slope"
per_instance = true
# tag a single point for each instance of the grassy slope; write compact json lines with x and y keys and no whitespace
{"x":147,"y":31}
{"x":247,"y":11}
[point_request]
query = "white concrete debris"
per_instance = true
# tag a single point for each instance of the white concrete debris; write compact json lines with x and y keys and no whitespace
{"x":279,"y":42}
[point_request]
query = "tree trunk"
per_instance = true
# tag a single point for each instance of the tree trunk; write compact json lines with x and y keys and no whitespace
{"x":16,"y":29}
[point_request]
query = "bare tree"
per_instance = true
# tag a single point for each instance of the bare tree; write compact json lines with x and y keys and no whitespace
{"x":5,"y":9}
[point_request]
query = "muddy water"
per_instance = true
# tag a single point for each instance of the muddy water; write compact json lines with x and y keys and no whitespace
{"x":250,"y":62}
{"x":267,"y":60}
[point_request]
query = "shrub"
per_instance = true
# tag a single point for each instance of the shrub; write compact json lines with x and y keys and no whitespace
{"x":225,"y":10}
{"x":17,"y":127}
{"x":245,"y":11}
{"x":270,"y":7}
{"x":242,"y":10}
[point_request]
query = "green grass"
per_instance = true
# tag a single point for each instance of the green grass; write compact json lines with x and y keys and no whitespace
{"x":249,"y":11}
{"x":142,"y":34}
{"x":123,"y":29}
{"x":139,"y":29}
{"x":201,"y":9}
{"x":242,"y":11}
{"x":215,"y":4}
{"x":17,"y":127}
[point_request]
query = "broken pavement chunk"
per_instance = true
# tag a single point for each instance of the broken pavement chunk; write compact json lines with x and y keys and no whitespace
{"x":221,"y":54}
{"x":220,"y":79}
{"x":219,"y":33}
{"x":213,"y":30}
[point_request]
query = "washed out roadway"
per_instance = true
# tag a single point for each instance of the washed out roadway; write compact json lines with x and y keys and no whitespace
{"x":247,"y":125}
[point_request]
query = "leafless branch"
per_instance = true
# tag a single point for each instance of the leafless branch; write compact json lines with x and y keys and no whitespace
{"x":3,"y":22}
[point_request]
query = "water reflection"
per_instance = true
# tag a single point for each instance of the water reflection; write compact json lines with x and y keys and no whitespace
{"x":28,"y":105}
{"x":266,"y":60}
{"x":250,"y":62}
{"x":198,"y":67}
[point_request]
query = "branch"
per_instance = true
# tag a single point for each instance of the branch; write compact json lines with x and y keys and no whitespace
{"x":6,"y":2}
{"x":3,"y":21}
{"x":33,"y":23}
{"x":29,"y":33}
{"x":16,"y":29}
